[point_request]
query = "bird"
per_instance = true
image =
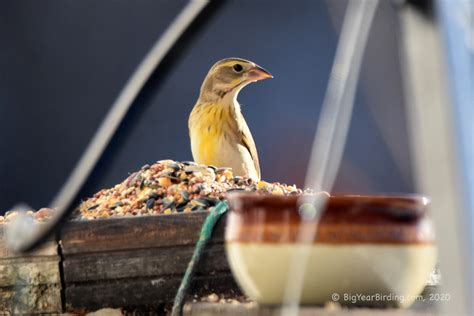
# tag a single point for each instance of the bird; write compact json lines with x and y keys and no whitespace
{"x":218,"y":131}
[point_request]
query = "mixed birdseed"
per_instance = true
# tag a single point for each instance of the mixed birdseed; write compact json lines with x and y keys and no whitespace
{"x":165,"y":187}
{"x":168,"y":187}
{"x":41,"y":215}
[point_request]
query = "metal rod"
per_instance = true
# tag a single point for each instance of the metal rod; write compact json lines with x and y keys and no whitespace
{"x":436,"y":157}
{"x":24,"y":234}
{"x":330,"y":138}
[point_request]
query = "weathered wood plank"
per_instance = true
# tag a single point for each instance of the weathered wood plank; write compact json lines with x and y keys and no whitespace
{"x":135,"y":232}
{"x":29,"y":271}
{"x":34,"y":299}
{"x":141,"y":263}
{"x":30,"y":283}
{"x":49,"y":248}
{"x":142,"y":292}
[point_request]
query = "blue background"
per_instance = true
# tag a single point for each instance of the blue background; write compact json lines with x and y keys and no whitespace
{"x":62,"y":64}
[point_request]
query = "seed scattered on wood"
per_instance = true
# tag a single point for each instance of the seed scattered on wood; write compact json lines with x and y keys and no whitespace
{"x":42,"y":215}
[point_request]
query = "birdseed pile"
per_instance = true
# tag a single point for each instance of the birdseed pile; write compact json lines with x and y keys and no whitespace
{"x":168,"y":187}
{"x":165,"y":187}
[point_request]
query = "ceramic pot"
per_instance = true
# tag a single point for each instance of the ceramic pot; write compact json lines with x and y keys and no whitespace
{"x":366,"y":250}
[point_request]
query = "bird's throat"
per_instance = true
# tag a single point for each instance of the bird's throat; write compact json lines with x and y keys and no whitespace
{"x":221,"y":93}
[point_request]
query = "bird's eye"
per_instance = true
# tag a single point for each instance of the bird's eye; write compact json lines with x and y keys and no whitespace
{"x":238,"y":68}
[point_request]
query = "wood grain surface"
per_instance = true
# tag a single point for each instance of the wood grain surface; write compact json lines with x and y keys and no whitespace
{"x":138,"y":261}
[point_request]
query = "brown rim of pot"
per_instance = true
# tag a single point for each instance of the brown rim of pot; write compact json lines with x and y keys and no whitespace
{"x":397,"y":219}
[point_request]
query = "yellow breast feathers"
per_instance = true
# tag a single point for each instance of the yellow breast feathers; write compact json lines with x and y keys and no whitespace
{"x":208,"y":124}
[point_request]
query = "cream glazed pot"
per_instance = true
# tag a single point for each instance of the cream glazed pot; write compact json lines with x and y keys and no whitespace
{"x":367,"y":251}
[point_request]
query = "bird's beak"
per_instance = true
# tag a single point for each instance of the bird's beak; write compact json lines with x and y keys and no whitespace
{"x":258,"y":73}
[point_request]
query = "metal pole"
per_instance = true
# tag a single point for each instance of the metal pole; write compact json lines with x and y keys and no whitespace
{"x":330,"y":138}
{"x":433,"y":146}
{"x":23,"y":234}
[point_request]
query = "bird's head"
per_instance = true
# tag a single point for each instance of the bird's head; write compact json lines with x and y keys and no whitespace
{"x":229,"y":76}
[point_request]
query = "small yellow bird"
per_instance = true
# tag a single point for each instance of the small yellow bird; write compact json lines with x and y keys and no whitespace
{"x":218,"y":131}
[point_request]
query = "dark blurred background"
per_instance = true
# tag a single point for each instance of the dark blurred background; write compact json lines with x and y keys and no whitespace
{"x":63,"y":63}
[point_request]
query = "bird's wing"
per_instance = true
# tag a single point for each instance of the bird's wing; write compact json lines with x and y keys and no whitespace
{"x":248,"y":142}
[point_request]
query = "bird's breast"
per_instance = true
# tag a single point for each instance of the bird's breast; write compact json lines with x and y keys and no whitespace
{"x":209,"y":128}
{"x":216,"y":139}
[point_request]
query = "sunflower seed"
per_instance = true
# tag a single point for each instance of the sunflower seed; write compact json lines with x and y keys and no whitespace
{"x":200,"y":202}
{"x":210,"y":200}
{"x":236,"y":190}
{"x":150,"y":203}
{"x":185,"y":195}
{"x":153,"y":195}
{"x":180,"y":207}
{"x":197,"y":208}
{"x":189,"y":163}
{"x":174,"y":166}
{"x":168,"y":204}
{"x":115,"y":205}
{"x":166,"y":162}
{"x":205,"y":201}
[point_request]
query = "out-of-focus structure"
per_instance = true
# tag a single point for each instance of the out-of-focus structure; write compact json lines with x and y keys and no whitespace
{"x":437,"y":58}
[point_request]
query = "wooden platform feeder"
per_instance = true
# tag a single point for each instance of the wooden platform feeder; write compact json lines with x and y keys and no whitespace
{"x":117,"y":262}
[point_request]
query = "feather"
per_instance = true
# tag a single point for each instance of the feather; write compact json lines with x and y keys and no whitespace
{"x":248,"y":142}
